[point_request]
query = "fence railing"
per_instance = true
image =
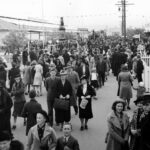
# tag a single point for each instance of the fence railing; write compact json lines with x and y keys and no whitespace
{"x":146,"y":73}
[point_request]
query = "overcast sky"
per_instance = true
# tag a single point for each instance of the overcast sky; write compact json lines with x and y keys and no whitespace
{"x":92,"y":14}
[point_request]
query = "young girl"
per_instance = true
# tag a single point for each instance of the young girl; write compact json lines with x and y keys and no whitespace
{"x":140,"y":89}
{"x":19,"y":98}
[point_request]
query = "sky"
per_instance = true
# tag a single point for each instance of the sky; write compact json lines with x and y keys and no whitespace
{"x":91,"y":14}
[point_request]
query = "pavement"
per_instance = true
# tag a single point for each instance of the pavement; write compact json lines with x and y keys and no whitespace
{"x":94,"y":137}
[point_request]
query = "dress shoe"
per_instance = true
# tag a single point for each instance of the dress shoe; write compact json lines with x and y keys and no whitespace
{"x":82,"y":128}
{"x":86,"y":127}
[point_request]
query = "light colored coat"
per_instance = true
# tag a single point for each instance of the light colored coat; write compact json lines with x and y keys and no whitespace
{"x":114,"y":138}
{"x":49,"y":138}
{"x":38,"y":75}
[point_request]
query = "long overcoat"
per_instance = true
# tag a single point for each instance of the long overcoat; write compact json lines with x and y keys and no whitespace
{"x":125,"y":82}
{"x":66,"y":89}
{"x":87,"y":112}
{"x":27,"y":75}
{"x":73,"y":78}
{"x":114,"y":137}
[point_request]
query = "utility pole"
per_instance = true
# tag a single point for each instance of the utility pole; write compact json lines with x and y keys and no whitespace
{"x":123,"y":4}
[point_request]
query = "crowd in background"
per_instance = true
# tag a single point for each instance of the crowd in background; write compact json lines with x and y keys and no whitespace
{"x":73,"y":75}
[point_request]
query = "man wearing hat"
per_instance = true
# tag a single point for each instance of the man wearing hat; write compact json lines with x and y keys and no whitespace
{"x":135,"y":125}
{"x":145,"y":124}
{"x":5,"y":109}
{"x":50,"y":84}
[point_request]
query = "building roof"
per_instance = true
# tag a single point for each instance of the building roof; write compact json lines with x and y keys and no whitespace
{"x":4,"y":25}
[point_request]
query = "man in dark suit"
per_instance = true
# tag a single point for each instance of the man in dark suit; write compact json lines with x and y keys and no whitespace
{"x":67,"y":141}
{"x":50,"y":84}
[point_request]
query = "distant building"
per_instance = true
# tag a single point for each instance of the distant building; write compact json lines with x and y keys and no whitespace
{"x":83,"y":32}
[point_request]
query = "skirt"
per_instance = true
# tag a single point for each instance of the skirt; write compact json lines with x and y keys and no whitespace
{"x":18,"y":107}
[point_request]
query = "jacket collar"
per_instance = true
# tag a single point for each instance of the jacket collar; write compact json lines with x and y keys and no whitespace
{"x":46,"y":131}
{"x":114,"y":119}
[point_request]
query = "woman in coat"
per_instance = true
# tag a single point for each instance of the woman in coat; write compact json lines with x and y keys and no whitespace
{"x":118,"y":128}
{"x":30,"y":110}
{"x":85,"y":93}
{"x":19,"y":98}
{"x":41,"y":136}
{"x":38,"y":79}
{"x":64,"y":92}
{"x":27,"y":77}
{"x":125,"y":83}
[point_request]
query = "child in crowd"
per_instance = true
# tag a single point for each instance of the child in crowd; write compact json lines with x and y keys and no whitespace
{"x":140,"y":89}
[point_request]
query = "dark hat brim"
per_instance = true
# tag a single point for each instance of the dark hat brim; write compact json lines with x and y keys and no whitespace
{"x":145,"y":99}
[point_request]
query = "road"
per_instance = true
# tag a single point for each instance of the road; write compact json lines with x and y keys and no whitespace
{"x":93,"y":138}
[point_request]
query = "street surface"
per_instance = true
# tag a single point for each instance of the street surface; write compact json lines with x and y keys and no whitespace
{"x":93,"y":138}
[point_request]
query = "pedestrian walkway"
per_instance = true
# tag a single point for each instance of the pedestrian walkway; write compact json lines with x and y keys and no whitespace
{"x":94,"y":137}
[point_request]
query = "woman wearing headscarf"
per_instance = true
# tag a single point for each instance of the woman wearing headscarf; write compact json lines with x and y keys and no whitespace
{"x":118,"y":128}
{"x":41,"y":136}
{"x":85,"y":93}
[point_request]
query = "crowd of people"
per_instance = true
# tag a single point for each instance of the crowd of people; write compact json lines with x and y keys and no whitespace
{"x":71,"y":79}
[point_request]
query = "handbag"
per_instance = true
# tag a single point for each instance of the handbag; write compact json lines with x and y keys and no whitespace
{"x":62,"y":104}
{"x":83,"y":103}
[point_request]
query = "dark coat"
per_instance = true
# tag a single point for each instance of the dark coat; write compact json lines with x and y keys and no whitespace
{"x":140,"y":67}
{"x":72,"y":143}
{"x":74,"y":80}
{"x":115,"y":139}
{"x":66,"y":89}
{"x":145,"y":133}
{"x":30,"y":110}
{"x":11,"y":75}
{"x":3,"y":75}
{"x":51,"y":86}
{"x":87,"y":112}
{"x":24,"y":57}
{"x":5,"y":110}
{"x":80,"y":71}
{"x":136,"y":125}
{"x":19,"y":98}
{"x":101,"y":67}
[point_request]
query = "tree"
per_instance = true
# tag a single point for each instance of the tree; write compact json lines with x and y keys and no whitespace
{"x":131,"y":32}
{"x":15,"y":40}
